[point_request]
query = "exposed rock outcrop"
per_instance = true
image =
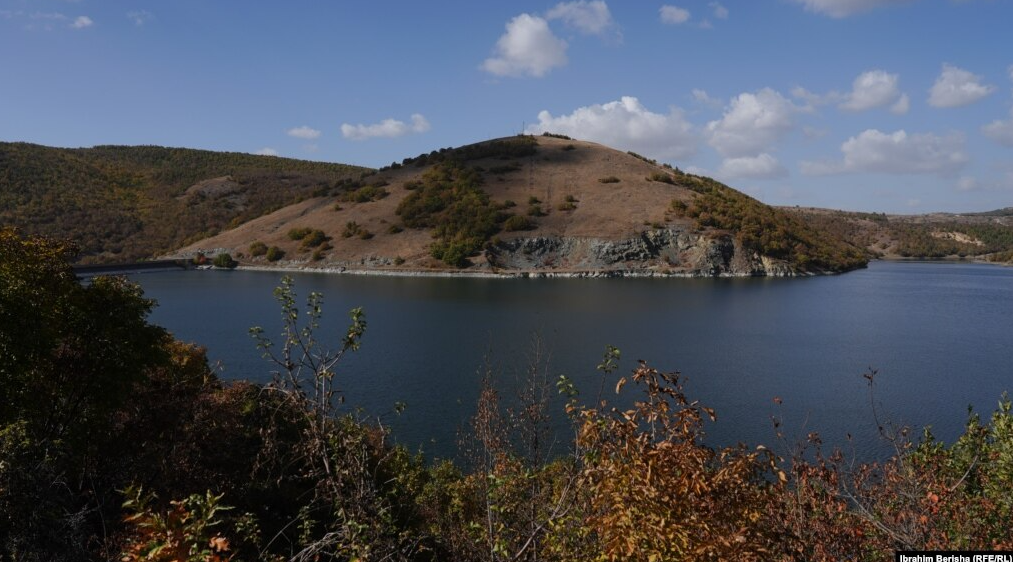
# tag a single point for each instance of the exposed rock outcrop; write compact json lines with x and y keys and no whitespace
{"x":659,"y":251}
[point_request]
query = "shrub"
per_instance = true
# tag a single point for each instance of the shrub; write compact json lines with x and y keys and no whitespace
{"x":313,"y":239}
{"x":399,"y":260}
{"x":608,"y":179}
{"x":299,"y":233}
{"x":570,"y":199}
{"x":224,"y":261}
{"x":569,"y":147}
{"x":394,"y":229}
{"x":366,"y":194}
{"x":555,"y":136}
{"x":258,"y":249}
{"x":533,"y":200}
{"x":661,"y":177}
{"x":274,"y":253}
{"x":352,"y":228}
{"x":517,"y":222}
{"x":566,"y":206}
{"x":536,"y":211}
{"x":505,"y":169}
{"x":679,"y":206}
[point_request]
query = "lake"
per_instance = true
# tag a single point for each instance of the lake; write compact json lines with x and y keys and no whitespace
{"x":938,"y":333}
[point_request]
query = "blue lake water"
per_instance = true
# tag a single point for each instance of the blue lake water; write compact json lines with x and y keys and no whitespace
{"x":940,"y":335}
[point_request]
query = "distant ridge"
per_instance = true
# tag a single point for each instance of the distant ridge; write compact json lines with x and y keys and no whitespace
{"x":124,"y":203}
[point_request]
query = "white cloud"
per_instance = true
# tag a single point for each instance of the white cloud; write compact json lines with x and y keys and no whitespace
{"x":895,"y":153}
{"x":592,"y":18}
{"x":844,"y":8}
{"x":303,"y":132}
{"x":625,"y":124}
{"x":701,"y":96}
{"x":720,"y":11}
{"x":872,"y":89}
{"x":901,"y":106}
{"x":527,"y":48}
{"x":388,"y":128}
{"x":751,"y":124}
{"x":812,"y":99}
{"x":673,"y":15}
{"x":956,"y":87}
{"x":140,"y":17}
{"x":267,"y":151}
{"x":1000,"y":131}
{"x":1010,"y":70}
{"x":763,"y":166}
{"x":81,"y":22}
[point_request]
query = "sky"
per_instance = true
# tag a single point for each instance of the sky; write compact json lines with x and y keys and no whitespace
{"x":899,"y":106}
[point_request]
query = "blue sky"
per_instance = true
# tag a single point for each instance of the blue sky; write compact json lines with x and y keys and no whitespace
{"x":877,"y":105}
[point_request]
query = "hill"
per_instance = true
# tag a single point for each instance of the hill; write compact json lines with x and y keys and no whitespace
{"x":541,"y":205}
{"x":985,"y":236}
{"x":124,"y":203}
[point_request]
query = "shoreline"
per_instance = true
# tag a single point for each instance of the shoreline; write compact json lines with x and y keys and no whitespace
{"x":525,"y":274}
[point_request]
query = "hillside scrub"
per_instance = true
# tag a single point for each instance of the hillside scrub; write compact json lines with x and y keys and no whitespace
{"x":766,"y":230}
{"x":451,"y":201}
{"x":135,"y":450}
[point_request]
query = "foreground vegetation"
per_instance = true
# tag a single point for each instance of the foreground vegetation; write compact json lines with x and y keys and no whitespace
{"x":124,"y":203}
{"x":118,"y":442}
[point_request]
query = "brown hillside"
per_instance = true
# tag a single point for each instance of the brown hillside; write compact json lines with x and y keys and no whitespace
{"x":587,"y":215}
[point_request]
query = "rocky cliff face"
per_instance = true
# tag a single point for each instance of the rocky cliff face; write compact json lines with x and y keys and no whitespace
{"x":655,"y":252}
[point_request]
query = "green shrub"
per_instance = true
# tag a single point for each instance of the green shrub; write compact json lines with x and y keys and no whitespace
{"x":661,"y":177}
{"x":224,"y":261}
{"x":566,"y":206}
{"x":313,"y":239}
{"x":299,"y":233}
{"x":399,"y":260}
{"x":258,"y":249}
{"x":394,"y":229}
{"x":569,"y":147}
{"x":517,"y":222}
{"x":365,"y":194}
{"x":608,"y":179}
{"x":352,"y":228}
{"x":274,"y":253}
{"x":536,"y":211}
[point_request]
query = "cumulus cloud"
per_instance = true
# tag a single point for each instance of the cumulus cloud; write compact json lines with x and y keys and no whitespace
{"x":956,"y":87}
{"x":763,"y":166}
{"x":751,"y":124}
{"x":895,"y":153}
{"x":844,"y":8}
{"x":702,"y":97}
{"x":673,"y":15}
{"x":140,"y":17}
{"x":267,"y":151}
{"x":813,"y":100}
{"x":625,"y":124}
{"x":388,"y":128}
{"x":720,"y":11}
{"x":81,"y":22}
{"x":1000,"y":131}
{"x":303,"y":132}
{"x":875,"y":88}
{"x":592,"y":18}
{"x":527,"y":48}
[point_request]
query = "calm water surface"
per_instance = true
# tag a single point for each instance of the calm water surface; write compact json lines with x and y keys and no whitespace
{"x":940,"y":335}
